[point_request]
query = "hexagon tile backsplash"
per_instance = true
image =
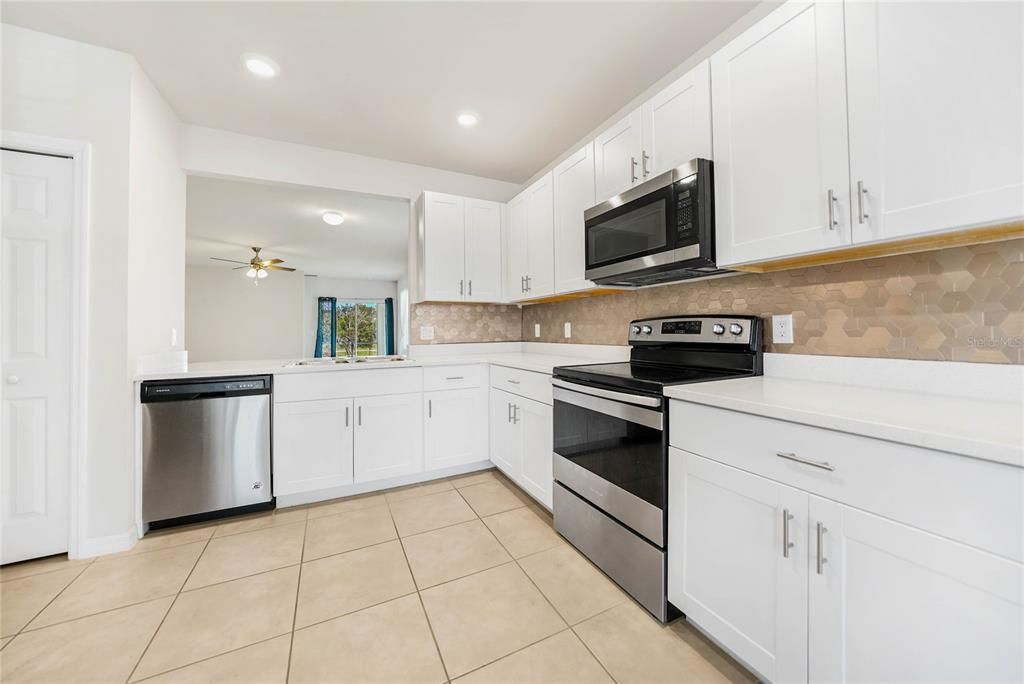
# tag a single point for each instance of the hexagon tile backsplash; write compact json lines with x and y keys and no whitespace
{"x":955,"y":304}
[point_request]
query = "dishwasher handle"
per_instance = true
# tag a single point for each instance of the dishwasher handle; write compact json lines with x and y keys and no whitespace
{"x":190,"y":389}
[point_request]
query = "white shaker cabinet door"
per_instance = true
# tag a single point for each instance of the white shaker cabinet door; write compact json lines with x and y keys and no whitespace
{"x":534,"y":421}
{"x":892,"y":603}
{"x":540,"y":280}
{"x":780,"y":136}
{"x":455,"y":429}
{"x":574,"y":194}
{"x":483,"y":251}
{"x":518,"y":246}
{"x":936,"y":133}
{"x":505,"y":438}
{"x":444,"y":248}
{"x":730,"y":569}
{"x":388,"y":436}
{"x":677,"y":123}
{"x":617,"y":156}
{"x":312,"y":445}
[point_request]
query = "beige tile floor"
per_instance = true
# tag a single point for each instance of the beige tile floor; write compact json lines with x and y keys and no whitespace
{"x":461,"y":579}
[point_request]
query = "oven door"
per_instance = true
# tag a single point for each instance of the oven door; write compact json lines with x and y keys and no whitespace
{"x":609,"y":449}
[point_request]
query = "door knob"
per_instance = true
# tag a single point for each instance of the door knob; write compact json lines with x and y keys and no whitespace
{"x":13,"y":379}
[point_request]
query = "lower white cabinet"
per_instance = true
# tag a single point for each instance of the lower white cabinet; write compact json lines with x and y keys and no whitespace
{"x":521,"y":435}
{"x":388,"y":436}
{"x":455,"y":431}
{"x":312,"y":445}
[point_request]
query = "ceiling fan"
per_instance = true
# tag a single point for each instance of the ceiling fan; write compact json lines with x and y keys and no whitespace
{"x":258,"y":268}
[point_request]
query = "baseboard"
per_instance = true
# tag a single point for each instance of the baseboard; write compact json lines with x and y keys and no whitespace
{"x":378,"y":485}
{"x":101,"y":546}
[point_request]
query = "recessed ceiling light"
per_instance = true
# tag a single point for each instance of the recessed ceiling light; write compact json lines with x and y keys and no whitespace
{"x":333,"y":218}
{"x":467,"y":119}
{"x":261,"y":66}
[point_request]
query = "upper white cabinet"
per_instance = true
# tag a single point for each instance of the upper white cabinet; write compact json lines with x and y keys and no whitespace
{"x":460,"y":244}
{"x":780,"y":137}
{"x":531,"y":263}
{"x":677,"y":123}
{"x":671,"y":128}
{"x":936,"y":137}
{"x":573,"y":182}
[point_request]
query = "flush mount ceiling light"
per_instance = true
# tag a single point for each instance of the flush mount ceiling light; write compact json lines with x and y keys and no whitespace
{"x":261,"y":66}
{"x":467,"y":119}
{"x":333,"y":218}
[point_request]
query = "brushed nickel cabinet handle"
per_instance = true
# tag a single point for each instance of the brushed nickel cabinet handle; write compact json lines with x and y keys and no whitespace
{"x":430,"y":408}
{"x":644,"y":159}
{"x":789,"y":456}
{"x":470,"y":287}
{"x":346,"y":416}
{"x":786,"y":544}
{"x":861,"y":192}
{"x":821,"y":560}
{"x":632,"y":169}
{"x":509,"y":419}
{"x":832,"y":221}
{"x":455,"y":377}
{"x":460,"y":288}
{"x":359,"y":416}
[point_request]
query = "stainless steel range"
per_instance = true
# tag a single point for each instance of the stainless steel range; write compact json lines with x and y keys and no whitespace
{"x":611,"y":442}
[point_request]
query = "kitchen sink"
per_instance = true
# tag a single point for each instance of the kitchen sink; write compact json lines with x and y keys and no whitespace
{"x":331,"y":361}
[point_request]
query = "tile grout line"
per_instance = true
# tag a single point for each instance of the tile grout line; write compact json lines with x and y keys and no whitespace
{"x":24,"y":627}
{"x":85,"y":565}
{"x":295,"y":612}
{"x":203,"y":660}
{"x":167,"y":612}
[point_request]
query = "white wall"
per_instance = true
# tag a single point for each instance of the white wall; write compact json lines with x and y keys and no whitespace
{"x":65,"y":89}
{"x":230,"y":319}
{"x":156,"y":258}
{"x":342,"y":288}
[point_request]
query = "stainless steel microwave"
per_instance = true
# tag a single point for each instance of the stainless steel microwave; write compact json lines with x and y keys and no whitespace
{"x":657,"y":232}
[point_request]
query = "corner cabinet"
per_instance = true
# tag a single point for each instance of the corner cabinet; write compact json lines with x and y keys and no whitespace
{"x":531,"y":266}
{"x":460,"y":248}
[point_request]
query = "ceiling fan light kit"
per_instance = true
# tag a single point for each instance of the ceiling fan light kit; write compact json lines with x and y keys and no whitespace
{"x":257,"y":268}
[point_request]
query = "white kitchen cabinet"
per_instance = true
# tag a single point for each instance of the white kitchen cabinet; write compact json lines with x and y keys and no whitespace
{"x":505,"y":448}
{"x":573,"y":184}
{"x":936,"y":137}
{"x":531,"y":271}
{"x":521,"y":434}
{"x":893,"y":603}
{"x":455,"y":429}
{"x":677,"y":123}
{"x":780,"y":136}
{"x":460,"y":243}
{"x":388,"y":436}
{"x":618,"y":153}
{"x":312,"y":445}
{"x":730,"y":569}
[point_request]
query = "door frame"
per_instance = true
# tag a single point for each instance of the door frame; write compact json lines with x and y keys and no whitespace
{"x":79,"y":153}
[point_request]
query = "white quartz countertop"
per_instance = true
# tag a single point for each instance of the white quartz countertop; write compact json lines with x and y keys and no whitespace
{"x":540,"y":363}
{"x":990,"y":430}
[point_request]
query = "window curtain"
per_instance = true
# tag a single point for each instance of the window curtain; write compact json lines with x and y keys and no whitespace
{"x":389,"y":326}
{"x":326,"y":326}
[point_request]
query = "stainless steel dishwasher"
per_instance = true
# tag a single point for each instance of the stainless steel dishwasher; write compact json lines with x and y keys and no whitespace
{"x":205,"y":448}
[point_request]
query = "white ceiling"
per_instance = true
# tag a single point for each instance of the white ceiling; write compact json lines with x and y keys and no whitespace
{"x":224,"y":218}
{"x":386,"y":79}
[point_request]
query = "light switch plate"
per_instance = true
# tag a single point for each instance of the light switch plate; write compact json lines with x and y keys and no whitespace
{"x":536,"y":329}
{"x":568,"y":330}
{"x":782,"y":329}
{"x":426,"y":332}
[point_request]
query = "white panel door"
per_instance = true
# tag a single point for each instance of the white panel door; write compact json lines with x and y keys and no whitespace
{"x":892,"y":603}
{"x":312,"y":445}
{"x":506,"y":440}
{"x":455,"y":431}
{"x":677,"y":123}
{"x":573,"y":185}
{"x":617,"y":156}
{"x":37,"y":295}
{"x":936,"y":139}
{"x":534,"y":421}
{"x":518,"y":246}
{"x":541,"y":241}
{"x":483,"y":251}
{"x":444,"y":249}
{"x":388,"y":436}
{"x":780,"y":136}
{"x":730,"y":571}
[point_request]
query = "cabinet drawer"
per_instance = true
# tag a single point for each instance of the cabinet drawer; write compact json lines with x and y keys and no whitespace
{"x":972,"y":501}
{"x":342,"y":384}
{"x":529,"y":384}
{"x":453,"y":377}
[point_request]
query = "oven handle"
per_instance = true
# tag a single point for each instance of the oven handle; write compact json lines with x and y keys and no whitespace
{"x":637,"y":399}
{"x":652,"y":418}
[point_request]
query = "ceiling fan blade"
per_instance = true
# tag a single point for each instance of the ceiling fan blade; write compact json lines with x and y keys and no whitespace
{"x":278,"y":268}
{"x":239,"y":268}
{"x":270,"y":262}
{"x":233,"y":261}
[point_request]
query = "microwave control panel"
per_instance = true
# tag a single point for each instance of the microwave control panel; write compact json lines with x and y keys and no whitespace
{"x":686,"y":211}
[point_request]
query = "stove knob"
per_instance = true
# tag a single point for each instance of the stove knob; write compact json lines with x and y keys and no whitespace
{"x":636,"y":329}
{"x":646,"y":330}
{"x":718,"y":329}
{"x":736,"y":328}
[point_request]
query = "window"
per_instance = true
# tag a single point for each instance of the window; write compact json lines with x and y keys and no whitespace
{"x":360,"y":329}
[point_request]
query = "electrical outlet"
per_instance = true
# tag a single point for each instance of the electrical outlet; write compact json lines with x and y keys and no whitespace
{"x":568,"y":330}
{"x":536,"y":329}
{"x":426,"y":332}
{"x":782,"y":329}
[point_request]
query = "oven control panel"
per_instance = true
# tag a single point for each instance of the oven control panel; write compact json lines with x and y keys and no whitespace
{"x":698,"y":329}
